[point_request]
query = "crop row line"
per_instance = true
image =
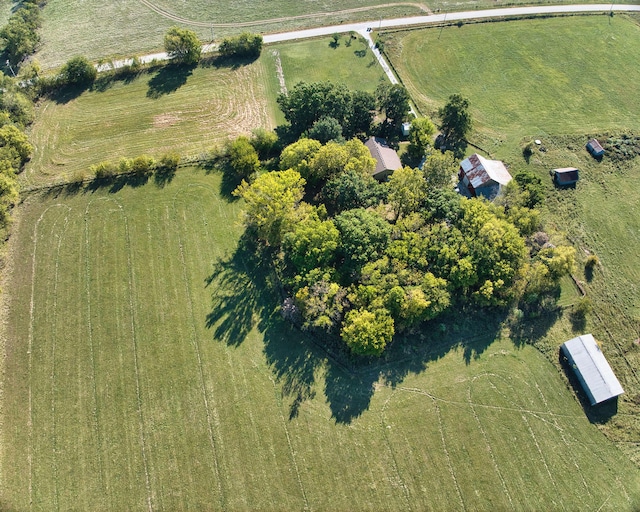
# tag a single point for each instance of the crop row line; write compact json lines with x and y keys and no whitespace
{"x":194,"y":342}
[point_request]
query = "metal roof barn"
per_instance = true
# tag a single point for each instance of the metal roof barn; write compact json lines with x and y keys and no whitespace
{"x":592,"y":369}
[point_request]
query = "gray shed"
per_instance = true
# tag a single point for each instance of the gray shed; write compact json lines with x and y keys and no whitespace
{"x":595,"y":148}
{"x":592,"y":369}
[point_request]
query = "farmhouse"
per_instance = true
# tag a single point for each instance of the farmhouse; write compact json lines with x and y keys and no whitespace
{"x":592,"y":369}
{"x":594,"y":147}
{"x":387,"y":159}
{"x":566,"y":176}
{"x":480,"y":176}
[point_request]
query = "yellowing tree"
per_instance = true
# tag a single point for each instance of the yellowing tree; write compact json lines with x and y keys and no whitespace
{"x":270,"y":203}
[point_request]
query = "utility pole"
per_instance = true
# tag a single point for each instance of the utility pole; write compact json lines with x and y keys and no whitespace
{"x":443,"y":24}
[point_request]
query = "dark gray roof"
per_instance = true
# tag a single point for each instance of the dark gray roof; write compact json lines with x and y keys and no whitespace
{"x":592,"y":369}
{"x":566,"y":175}
{"x":386,"y":158}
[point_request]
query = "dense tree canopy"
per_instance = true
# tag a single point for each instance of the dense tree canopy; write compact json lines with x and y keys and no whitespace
{"x":455,"y":123}
{"x":308,"y":103}
{"x":243,"y":157}
{"x":364,"y":260}
{"x":270,"y":203}
{"x":183,"y":45}
{"x":393,"y":100}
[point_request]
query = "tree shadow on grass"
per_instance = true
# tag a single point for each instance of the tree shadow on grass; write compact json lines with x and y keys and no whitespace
{"x":168,"y":79}
{"x":598,"y":414}
{"x":163,"y":176}
{"x":66,"y":93}
{"x":244,"y":296}
{"x":219,"y":61}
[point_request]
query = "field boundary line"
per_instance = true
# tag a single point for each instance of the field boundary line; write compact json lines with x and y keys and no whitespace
{"x":292,"y":452}
{"x":565,"y":441}
{"x":134,"y":343}
{"x":447,"y":455}
{"x":96,"y":418}
{"x":30,"y":347}
{"x":489,"y":449}
{"x":196,"y":345}
{"x":54,"y":330}
{"x":404,"y":487}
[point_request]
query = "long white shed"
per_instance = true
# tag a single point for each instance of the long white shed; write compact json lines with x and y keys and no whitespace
{"x":592,"y":369}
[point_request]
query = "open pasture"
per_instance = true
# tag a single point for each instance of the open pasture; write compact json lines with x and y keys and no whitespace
{"x":527,"y":78}
{"x":189,"y":111}
{"x":146,"y":367}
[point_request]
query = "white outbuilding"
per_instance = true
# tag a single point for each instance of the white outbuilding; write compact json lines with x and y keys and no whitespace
{"x":592,"y":369}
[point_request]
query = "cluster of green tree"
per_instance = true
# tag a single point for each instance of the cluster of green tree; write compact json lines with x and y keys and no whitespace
{"x":141,"y":166}
{"x":20,"y":35}
{"x":363,"y":260}
{"x":326,"y":111}
{"x":245,"y":45}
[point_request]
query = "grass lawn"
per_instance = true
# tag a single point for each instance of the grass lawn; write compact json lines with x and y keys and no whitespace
{"x":527,"y":78}
{"x":169,"y":109}
{"x":354,"y":65}
{"x":146,"y":367}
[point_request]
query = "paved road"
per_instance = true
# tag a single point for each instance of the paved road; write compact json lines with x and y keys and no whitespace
{"x":363,"y":27}
{"x":450,"y":16}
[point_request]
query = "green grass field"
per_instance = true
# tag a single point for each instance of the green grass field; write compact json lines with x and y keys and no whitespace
{"x":146,"y":367}
{"x":527,"y":78}
{"x":169,"y":109}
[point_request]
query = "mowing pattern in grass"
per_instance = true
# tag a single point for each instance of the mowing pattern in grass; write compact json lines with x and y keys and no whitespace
{"x":170,"y":109}
{"x":601,"y":217}
{"x":563,"y":75}
{"x":146,"y":368}
{"x":353,"y":65}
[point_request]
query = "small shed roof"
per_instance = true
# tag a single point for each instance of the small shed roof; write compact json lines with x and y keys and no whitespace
{"x":595,"y":148}
{"x":592,"y":369}
{"x":386,"y":158}
{"x":481,"y":171}
{"x":566,"y":175}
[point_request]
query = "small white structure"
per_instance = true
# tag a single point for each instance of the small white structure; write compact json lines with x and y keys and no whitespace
{"x":387,"y":159}
{"x":592,"y":369}
{"x":481,"y":176}
{"x":406,"y":128}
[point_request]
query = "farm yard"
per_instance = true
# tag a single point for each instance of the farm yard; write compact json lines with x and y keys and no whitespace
{"x":145,"y":361}
{"x":147,"y":367}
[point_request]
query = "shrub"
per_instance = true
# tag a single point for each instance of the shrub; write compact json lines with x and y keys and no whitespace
{"x":592,"y":261}
{"x":143,"y":165}
{"x":169,"y":161}
{"x":246,"y":45}
{"x":78,"y":71}
{"x":103,"y":170}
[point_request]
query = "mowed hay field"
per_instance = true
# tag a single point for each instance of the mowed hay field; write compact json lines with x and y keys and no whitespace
{"x":146,"y":367}
{"x":189,"y":111}
{"x":527,"y":78}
